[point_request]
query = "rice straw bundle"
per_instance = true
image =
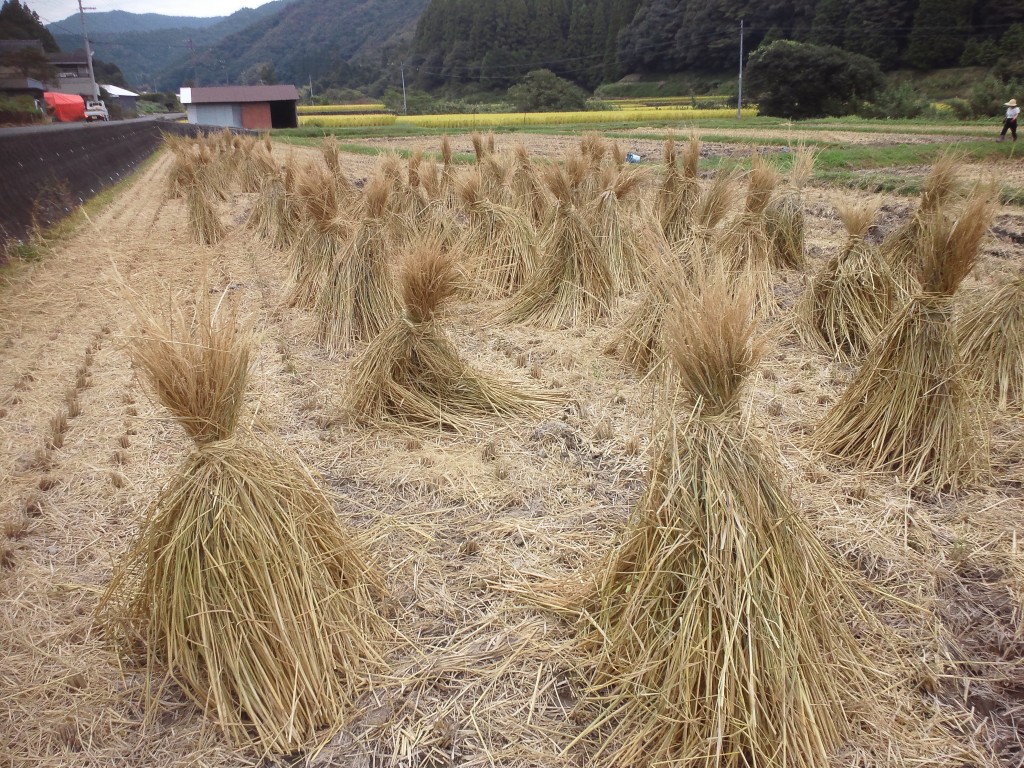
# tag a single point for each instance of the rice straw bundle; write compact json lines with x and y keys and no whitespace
{"x":429,"y":178}
{"x":268,"y":209}
{"x":638,"y":342}
{"x":319,"y":236}
{"x":241,"y":584}
{"x":357,"y":298}
{"x":412,"y":373}
{"x":717,"y":618}
{"x":992,"y":343}
{"x":618,"y":154}
{"x":332,"y":158}
{"x":481,"y":147}
{"x":289,"y":221}
{"x":528,"y":192}
{"x":910,"y":408}
{"x":679,"y":189}
{"x":204,"y":224}
{"x":448,"y":173}
{"x":624,"y":238}
{"x":180,"y":148}
{"x":716,"y":196}
{"x":255,"y":165}
{"x":594,"y":147}
{"x":851,"y":300}
{"x":499,"y":243}
{"x":496,"y":172}
{"x":784,"y":215}
{"x":745,"y":245}
{"x":900,"y":247}
{"x":574,"y":282}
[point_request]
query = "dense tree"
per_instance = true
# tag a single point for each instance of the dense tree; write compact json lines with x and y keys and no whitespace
{"x":108,"y":73}
{"x":576,"y":39}
{"x":941,"y":29}
{"x":29,"y":62}
{"x":829,"y":25}
{"x":259,"y":74}
{"x":19,"y":22}
{"x":544,"y":91}
{"x":800,"y":80}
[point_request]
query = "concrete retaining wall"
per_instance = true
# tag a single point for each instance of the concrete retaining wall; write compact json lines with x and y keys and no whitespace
{"x":47,"y":172}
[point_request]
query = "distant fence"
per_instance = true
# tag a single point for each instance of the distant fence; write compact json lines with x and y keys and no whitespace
{"x":49,"y":172}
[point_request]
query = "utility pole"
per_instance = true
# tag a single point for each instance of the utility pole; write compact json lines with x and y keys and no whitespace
{"x":405,"y":103}
{"x":192,"y":50}
{"x":311,"y":88}
{"x":88,"y":51}
{"x":739,"y":97}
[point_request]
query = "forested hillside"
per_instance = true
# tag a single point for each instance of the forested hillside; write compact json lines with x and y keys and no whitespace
{"x":495,"y":42}
{"x":106,"y":22}
{"x":305,"y":39}
{"x":149,"y":44}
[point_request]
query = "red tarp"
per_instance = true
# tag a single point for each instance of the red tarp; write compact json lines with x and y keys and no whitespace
{"x":66,"y":107}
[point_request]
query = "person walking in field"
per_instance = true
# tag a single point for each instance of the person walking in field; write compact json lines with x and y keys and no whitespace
{"x":1010,"y":123}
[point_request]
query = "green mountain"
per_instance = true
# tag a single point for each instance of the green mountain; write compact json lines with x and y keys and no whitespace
{"x":318,"y":39}
{"x":145,"y":47}
{"x":123,"y":21}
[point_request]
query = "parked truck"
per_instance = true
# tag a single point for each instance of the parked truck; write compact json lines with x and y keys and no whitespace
{"x":70,"y":108}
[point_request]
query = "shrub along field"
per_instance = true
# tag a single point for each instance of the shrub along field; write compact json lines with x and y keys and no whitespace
{"x":422,"y":450}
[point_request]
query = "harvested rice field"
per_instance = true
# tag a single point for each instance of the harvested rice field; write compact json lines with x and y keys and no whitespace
{"x":584,"y":435}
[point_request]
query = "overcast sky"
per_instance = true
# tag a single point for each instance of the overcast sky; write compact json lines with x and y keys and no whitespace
{"x":55,"y":10}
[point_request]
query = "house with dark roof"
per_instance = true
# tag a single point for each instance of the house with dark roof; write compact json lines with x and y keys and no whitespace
{"x":72,"y":74}
{"x":258,"y":107}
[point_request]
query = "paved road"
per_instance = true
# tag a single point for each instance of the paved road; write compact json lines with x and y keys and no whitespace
{"x":23,"y":129}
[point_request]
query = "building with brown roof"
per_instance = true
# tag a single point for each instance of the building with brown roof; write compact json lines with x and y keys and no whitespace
{"x":258,"y":107}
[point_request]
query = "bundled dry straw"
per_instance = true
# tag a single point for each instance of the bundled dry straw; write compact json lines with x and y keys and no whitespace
{"x":412,"y":373}
{"x":679,"y":189}
{"x":910,"y":408}
{"x":992,"y":343}
{"x":784,"y":215}
{"x":901,"y":246}
{"x":357,"y":297}
{"x":626,"y":238}
{"x":528,"y":191}
{"x":746,"y":246}
{"x":204,"y":224}
{"x":241,"y":585}
{"x":717,"y":619}
{"x":270,"y":215}
{"x":638,"y":343}
{"x":319,"y":236}
{"x":574,"y":282}
{"x":853,"y":297}
{"x":499,"y":244}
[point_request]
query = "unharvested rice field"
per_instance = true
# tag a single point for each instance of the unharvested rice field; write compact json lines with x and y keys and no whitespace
{"x":482,"y":529}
